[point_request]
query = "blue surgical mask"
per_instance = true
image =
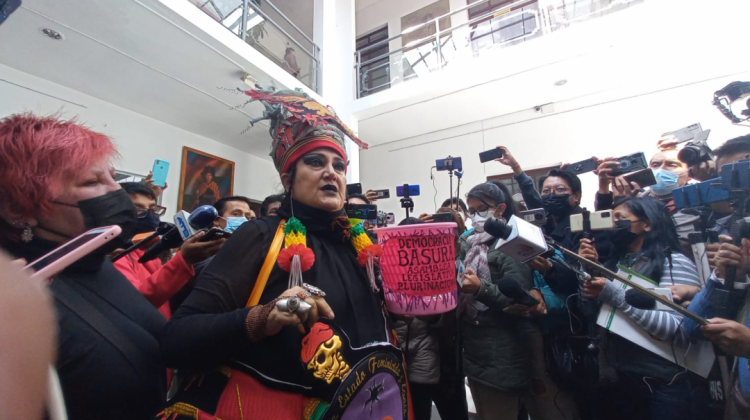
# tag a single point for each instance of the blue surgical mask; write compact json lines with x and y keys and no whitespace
{"x":234,"y":222}
{"x":666,"y":181}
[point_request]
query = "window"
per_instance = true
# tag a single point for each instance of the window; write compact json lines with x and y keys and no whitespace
{"x":375,"y":76}
{"x":511,"y":183}
{"x":506,"y":25}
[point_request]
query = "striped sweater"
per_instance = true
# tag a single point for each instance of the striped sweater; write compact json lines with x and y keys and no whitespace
{"x":660,"y":324}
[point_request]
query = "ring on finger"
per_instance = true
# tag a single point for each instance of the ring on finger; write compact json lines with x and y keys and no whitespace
{"x":315,"y":291}
{"x":293,"y":305}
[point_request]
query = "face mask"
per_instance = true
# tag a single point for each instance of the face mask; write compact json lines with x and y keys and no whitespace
{"x":234,"y":222}
{"x":147,"y":223}
{"x":477,"y":222}
{"x":558,"y":205}
{"x":114,"y":208}
{"x":621,"y":236}
{"x":666,"y":181}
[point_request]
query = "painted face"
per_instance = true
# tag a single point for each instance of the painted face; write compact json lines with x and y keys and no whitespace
{"x":320,"y":180}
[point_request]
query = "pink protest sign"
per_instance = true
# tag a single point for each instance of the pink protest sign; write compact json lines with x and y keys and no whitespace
{"x":419,"y":268}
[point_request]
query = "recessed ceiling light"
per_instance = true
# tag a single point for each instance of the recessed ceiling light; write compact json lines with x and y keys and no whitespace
{"x":53,"y":34}
{"x":561,"y":82}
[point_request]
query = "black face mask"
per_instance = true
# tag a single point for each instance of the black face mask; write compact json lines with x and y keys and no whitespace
{"x":148,"y":223}
{"x":114,"y":208}
{"x":558,"y":205}
{"x":621,"y":236}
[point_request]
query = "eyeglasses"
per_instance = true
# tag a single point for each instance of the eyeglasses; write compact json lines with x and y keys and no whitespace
{"x":560,"y":190}
{"x":482,"y":213}
{"x":157,"y":210}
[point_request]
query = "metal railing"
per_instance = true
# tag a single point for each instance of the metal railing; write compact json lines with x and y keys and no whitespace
{"x":298,"y":55}
{"x":515,"y":22}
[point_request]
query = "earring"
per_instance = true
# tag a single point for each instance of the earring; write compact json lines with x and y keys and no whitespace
{"x":27,"y":234}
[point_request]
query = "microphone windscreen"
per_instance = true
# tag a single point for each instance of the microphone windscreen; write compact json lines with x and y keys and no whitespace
{"x":171,"y":239}
{"x":203,"y":217}
{"x":497,"y":228}
{"x":639,"y":300}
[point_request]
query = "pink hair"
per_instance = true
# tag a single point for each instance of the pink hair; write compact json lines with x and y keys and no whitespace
{"x":39,"y":155}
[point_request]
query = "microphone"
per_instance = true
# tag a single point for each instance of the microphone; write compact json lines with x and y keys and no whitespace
{"x":518,"y":238}
{"x":147,"y":240}
{"x":188,"y":224}
{"x":639,"y":300}
{"x":511,"y":288}
{"x":497,"y":228}
{"x":171,"y":239}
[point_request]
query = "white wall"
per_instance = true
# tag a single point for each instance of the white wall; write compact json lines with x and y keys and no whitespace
{"x":615,"y":126}
{"x":334,"y":33}
{"x":139,"y":139}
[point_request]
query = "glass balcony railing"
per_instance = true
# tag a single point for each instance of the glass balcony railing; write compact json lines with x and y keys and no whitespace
{"x":479,"y":28}
{"x":247,"y":19}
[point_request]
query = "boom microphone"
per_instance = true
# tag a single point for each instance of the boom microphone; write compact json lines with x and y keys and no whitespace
{"x":511,"y":288}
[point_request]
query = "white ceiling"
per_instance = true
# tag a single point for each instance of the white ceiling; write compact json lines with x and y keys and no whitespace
{"x":140,"y":55}
{"x":642,"y":49}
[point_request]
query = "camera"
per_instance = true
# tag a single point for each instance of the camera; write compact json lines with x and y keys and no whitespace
{"x":449,"y":164}
{"x":535,"y":216}
{"x":696,"y":151}
{"x":630,"y":163}
{"x":731,"y":93}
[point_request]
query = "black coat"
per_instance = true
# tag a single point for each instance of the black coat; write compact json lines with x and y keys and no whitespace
{"x":102,"y":380}
{"x":209,"y":329}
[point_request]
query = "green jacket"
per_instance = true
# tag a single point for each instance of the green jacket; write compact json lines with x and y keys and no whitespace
{"x":494,"y":351}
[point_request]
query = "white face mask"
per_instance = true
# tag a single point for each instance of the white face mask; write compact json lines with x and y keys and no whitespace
{"x":477,"y":222}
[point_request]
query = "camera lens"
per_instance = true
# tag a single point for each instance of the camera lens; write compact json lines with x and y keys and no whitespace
{"x":689,"y":155}
{"x":537,"y":216}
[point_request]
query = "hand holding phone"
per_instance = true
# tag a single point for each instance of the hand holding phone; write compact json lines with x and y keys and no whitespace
{"x":160,"y":172}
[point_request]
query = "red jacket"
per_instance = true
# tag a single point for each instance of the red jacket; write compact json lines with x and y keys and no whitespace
{"x":155,"y":281}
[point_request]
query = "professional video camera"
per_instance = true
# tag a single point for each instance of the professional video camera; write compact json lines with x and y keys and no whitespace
{"x":731,"y":93}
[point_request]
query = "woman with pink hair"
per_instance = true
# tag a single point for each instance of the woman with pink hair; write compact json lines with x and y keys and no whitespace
{"x":56,"y":182}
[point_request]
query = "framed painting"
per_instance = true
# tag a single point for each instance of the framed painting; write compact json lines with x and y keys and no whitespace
{"x":204,"y":179}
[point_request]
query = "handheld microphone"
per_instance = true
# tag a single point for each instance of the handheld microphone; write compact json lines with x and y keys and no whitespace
{"x":511,"y":288}
{"x":171,"y":239}
{"x":497,"y":228}
{"x":639,"y":300}
{"x":519,"y":239}
{"x":162,"y":229}
{"x":188,"y":224}
{"x":459,"y":174}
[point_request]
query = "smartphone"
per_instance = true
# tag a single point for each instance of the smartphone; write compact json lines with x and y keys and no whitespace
{"x":449,"y":164}
{"x":160,"y":171}
{"x":383,"y":194}
{"x":443,"y":217}
{"x":413,"y":190}
{"x":582,"y":167}
{"x":536,"y":217}
{"x":600,"y":220}
{"x":630,"y":163}
{"x":685,"y":134}
{"x":367,"y":212}
{"x":491,"y":154}
{"x":644,"y":177}
{"x":215,"y":233}
{"x":352,"y":189}
{"x":72,"y":251}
